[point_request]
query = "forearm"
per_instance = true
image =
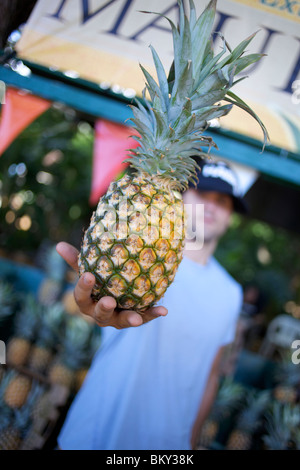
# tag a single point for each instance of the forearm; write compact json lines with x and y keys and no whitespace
{"x":205,"y":407}
{"x":209,"y":396}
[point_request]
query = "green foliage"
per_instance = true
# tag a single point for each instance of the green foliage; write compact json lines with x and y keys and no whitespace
{"x":45,"y":178}
{"x":257,"y":253}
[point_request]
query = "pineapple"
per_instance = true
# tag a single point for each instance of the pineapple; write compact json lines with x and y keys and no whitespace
{"x":79,"y":345}
{"x":51,"y":320}
{"x":287,"y":388}
{"x":2,"y":373}
{"x":55,"y":271}
{"x":297,"y":439}
{"x":25,"y":328}
{"x":7,"y":438}
{"x":248,"y":420}
{"x":19,"y":423}
{"x":15,"y":388}
{"x":8,"y":304}
{"x":135,"y":240}
{"x":282,"y":426}
{"x":7,"y":300}
{"x":228,"y":399}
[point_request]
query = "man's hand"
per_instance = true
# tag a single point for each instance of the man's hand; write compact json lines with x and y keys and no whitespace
{"x":103,"y":311}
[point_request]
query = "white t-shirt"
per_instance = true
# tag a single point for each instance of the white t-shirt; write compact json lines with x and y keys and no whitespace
{"x":145,"y":384}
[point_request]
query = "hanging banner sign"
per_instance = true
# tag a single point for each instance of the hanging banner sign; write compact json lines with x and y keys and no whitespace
{"x":104,"y":41}
{"x":110,"y":150}
{"x":18,"y":110}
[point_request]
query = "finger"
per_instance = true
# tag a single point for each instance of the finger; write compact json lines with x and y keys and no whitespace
{"x":104,"y":311}
{"x":69,"y":253}
{"x":128,"y":318}
{"x":159,"y":311}
{"x":82,"y":293}
{"x":154,"y":312}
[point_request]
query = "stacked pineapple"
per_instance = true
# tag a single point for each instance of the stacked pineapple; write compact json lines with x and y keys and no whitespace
{"x":135,"y":240}
{"x":282,"y":423}
{"x":8,"y":305}
{"x":40,"y":332}
{"x":25,"y":330}
{"x":54,"y":268}
{"x":228,"y":400}
{"x":287,"y":388}
{"x":43,"y":349}
{"x":71,"y":364}
{"x":248,"y":420}
{"x":18,"y":397}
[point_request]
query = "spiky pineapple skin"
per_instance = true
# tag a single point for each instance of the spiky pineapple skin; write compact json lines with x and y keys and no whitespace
{"x":10,"y":439}
{"x":134,"y":267}
{"x":239,"y":440}
{"x":285,"y":393}
{"x":40,"y":358}
{"x":135,"y":241}
{"x":17,"y":391}
{"x":208,"y":433}
{"x":62,"y":375}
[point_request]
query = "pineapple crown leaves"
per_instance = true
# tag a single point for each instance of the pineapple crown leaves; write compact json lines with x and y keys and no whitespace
{"x":8,"y":300}
{"x":282,"y":421}
{"x":287,"y":373}
{"x":51,"y":321}
{"x":78,"y":343}
{"x":256,"y":402}
{"x":36,"y":391}
{"x":172,"y":124}
{"x":77,"y":332}
{"x":55,"y":266}
{"x":27,"y":318}
{"x":229,"y":397}
{"x":23,"y":417}
{"x":6,"y":416}
{"x":8,"y":375}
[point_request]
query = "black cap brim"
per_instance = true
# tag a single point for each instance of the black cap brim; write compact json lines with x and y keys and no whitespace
{"x":220,"y":186}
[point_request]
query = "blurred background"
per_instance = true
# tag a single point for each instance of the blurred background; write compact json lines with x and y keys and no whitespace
{"x":63,"y":136}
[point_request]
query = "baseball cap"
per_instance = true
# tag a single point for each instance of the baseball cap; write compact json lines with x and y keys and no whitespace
{"x":218,"y":176}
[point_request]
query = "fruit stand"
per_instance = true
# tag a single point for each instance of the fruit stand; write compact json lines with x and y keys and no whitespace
{"x":49,"y":347}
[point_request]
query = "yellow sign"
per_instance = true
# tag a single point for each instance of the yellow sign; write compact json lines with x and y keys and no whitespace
{"x":289,"y":9}
{"x":104,"y":41}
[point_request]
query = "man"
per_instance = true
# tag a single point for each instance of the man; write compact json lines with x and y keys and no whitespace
{"x":152,"y":387}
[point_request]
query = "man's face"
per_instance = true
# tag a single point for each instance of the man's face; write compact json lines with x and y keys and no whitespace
{"x":216,"y":213}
